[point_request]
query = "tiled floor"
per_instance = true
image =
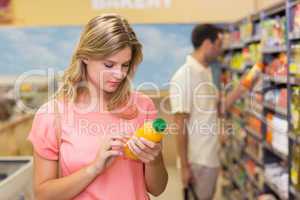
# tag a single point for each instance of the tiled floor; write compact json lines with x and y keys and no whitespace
{"x":174,"y":189}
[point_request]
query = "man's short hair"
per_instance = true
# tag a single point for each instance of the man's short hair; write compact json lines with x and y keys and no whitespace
{"x":201,"y":32}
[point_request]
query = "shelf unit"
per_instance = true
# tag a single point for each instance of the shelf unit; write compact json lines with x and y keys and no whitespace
{"x":270,"y":154}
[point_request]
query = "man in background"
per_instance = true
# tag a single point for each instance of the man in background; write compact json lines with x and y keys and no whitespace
{"x":194,"y":103}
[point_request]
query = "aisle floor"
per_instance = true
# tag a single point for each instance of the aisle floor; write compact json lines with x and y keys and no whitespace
{"x":173,"y":190}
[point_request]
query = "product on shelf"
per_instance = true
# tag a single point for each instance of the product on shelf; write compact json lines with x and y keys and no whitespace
{"x":276,"y":175}
{"x":277,"y":133}
{"x":232,"y":149}
{"x":295,"y":167}
{"x":280,"y":135}
{"x":246,"y":29}
{"x":152,"y":130}
{"x":269,"y":137}
{"x":235,"y":111}
{"x":255,"y":173}
{"x":254,"y":148}
{"x":231,"y":38}
{"x":295,"y":59}
{"x":273,"y":32}
{"x":296,"y":18}
{"x":254,"y":124}
{"x":277,"y":67}
{"x":257,"y":30}
{"x":295,"y":110}
{"x":237,"y":61}
{"x":255,"y":53}
{"x":282,"y":100}
{"x":253,"y":103}
{"x":240,"y":60}
{"x":277,"y":98}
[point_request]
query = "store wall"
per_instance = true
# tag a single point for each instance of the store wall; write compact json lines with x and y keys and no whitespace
{"x":65,"y":12}
{"x":261,"y":4}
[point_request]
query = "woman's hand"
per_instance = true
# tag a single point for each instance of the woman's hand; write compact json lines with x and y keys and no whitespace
{"x":110,"y":147}
{"x":147,"y":151}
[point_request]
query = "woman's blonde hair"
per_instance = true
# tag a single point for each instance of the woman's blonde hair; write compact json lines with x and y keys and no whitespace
{"x":103,"y":36}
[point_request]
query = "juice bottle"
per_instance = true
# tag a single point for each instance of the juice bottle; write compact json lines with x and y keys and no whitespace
{"x":152,"y":130}
{"x":247,"y":81}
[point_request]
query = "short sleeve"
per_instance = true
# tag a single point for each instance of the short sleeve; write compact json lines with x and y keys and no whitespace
{"x":180,"y":94}
{"x":42,"y":134}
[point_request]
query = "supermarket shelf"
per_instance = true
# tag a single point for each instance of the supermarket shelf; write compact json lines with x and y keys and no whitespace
{"x":275,"y":151}
{"x":275,"y":9}
{"x":277,"y":79}
{"x":238,"y":119}
{"x":224,"y":66}
{"x":254,"y":134}
{"x":294,"y":138}
{"x":259,"y":109}
{"x":256,"y":114}
{"x":294,"y":3}
{"x":253,"y":182}
{"x":236,"y":116}
{"x":234,"y":197}
{"x":271,"y":50}
{"x":294,"y":35}
{"x":236,"y":46}
{"x":241,"y":143}
{"x":252,"y":157}
{"x":294,"y":192}
{"x":276,"y":109}
{"x":255,"y":105}
{"x":250,"y":178}
{"x":274,"y":188}
{"x":294,"y":80}
{"x":237,"y":71}
{"x":225,"y":166}
{"x":253,"y":39}
{"x":230,"y":176}
{"x":233,"y":179}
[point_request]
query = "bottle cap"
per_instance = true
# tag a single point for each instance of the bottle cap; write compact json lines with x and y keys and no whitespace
{"x":159,"y":125}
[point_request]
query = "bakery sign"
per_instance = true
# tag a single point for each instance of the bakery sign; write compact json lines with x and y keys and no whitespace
{"x":130,"y":4}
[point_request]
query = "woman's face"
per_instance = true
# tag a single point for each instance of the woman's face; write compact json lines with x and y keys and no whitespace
{"x":107,"y":74}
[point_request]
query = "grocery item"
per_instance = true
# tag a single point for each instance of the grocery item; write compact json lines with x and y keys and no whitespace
{"x":151,"y":130}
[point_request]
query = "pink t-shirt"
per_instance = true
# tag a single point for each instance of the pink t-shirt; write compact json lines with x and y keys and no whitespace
{"x":124,"y":179}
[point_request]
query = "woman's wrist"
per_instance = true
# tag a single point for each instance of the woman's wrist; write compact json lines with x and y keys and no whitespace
{"x":157,"y":160}
{"x":92,"y":169}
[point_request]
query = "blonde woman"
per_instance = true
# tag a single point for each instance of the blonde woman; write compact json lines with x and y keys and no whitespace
{"x":97,"y":112}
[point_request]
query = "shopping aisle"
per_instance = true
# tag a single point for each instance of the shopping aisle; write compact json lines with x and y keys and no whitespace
{"x":173,"y":190}
{"x":261,"y":155}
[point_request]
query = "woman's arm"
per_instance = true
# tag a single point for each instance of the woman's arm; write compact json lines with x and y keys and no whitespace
{"x":156,"y":176}
{"x":47,"y":185}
